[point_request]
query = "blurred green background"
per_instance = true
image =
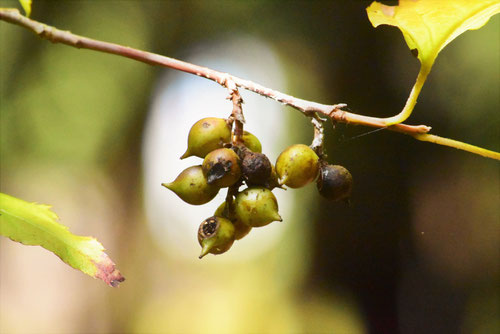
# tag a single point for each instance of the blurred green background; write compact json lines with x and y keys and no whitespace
{"x":417,"y":251}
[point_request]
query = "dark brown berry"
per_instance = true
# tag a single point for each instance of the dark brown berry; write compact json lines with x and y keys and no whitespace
{"x":256,"y":167}
{"x":334,"y":182}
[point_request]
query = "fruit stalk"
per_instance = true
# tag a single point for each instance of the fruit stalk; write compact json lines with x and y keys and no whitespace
{"x":318,"y":141}
{"x":237,"y":113}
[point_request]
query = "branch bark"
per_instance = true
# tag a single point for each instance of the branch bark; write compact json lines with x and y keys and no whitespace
{"x":309,"y":108}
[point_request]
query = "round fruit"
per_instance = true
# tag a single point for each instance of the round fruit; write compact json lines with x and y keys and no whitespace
{"x":207,"y":135}
{"x":297,"y":166}
{"x":256,"y":207}
{"x":215,"y":235}
{"x":192,"y":186}
{"x":251,"y":142}
{"x":222,"y":167}
{"x":256,"y":167}
{"x":334,"y":182}
{"x":240,"y":229}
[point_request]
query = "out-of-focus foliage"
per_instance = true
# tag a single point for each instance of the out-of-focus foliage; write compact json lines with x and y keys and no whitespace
{"x":35,"y":224}
{"x":429,"y":25}
{"x":71,"y":94}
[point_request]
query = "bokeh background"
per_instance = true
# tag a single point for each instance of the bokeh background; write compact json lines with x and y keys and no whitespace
{"x":95,"y":135}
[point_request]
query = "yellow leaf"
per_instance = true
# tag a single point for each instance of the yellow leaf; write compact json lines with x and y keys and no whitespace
{"x":429,"y":25}
{"x":26,"y":6}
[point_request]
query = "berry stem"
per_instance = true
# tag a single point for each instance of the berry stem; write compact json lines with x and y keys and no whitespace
{"x":335,"y":112}
{"x":237,"y":113}
{"x":318,"y":141}
{"x":232,"y":191}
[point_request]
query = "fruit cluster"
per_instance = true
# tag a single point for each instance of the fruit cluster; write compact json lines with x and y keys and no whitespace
{"x":230,"y":162}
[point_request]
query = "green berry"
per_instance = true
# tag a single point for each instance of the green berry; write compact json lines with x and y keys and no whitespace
{"x":251,"y":142}
{"x":334,"y":182}
{"x":221,"y":167}
{"x":192,"y":186}
{"x":215,"y":235}
{"x":240,"y":229}
{"x":207,"y":135}
{"x":297,"y":166}
{"x":256,"y":207}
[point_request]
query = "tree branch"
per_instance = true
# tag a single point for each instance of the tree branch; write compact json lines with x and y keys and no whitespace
{"x":335,"y":112}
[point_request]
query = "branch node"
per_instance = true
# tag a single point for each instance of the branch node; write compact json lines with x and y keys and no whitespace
{"x":336,"y":114}
{"x":339,"y":105}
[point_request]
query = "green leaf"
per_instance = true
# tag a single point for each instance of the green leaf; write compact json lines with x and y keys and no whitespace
{"x":26,"y":6}
{"x":35,"y":224}
{"x":429,"y":25}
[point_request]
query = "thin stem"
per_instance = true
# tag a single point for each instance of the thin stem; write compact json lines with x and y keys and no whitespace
{"x":458,"y":145}
{"x":412,"y":99}
{"x":335,"y":112}
{"x":318,"y":141}
{"x":339,"y":115}
{"x":232,"y":191}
